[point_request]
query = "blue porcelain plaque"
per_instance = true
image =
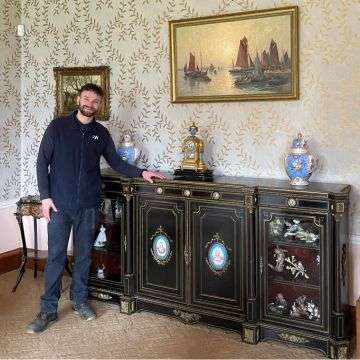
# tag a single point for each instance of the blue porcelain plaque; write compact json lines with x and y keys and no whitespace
{"x":161,"y":249}
{"x":218,"y":256}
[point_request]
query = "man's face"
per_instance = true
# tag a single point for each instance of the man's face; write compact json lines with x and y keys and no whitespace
{"x":89,"y":103}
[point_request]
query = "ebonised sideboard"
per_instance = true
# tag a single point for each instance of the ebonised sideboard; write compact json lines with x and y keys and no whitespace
{"x":258,"y":256}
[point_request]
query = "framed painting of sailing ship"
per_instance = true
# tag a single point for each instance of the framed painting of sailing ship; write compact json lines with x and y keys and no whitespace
{"x":244,"y":56}
{"x":69,"y":81}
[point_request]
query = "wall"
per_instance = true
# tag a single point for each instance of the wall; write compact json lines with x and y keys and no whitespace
{"x":10,"y":101}
{"x":10,"y":122}
{"x":241,"y":138}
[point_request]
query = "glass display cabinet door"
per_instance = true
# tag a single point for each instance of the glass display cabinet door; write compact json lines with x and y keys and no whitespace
{"x":293,"y":268}
{"x":107,"y":257}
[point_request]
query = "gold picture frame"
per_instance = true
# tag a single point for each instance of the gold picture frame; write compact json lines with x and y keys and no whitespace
{"x":244,"y":56}
{"x":69,"y":80}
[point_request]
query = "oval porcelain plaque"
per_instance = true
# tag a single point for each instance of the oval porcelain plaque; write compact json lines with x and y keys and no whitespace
{"x":218,"y":256}
{"x":161,"y":248}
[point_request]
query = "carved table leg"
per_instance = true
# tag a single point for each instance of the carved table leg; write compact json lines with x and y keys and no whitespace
{"x":35,"y":249}
{"x":24,"y":249}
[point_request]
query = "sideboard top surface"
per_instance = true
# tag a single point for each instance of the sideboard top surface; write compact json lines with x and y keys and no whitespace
{"x":261,"y":184}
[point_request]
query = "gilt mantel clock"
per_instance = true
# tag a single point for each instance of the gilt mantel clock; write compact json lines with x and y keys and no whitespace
{"x":192,"y":166}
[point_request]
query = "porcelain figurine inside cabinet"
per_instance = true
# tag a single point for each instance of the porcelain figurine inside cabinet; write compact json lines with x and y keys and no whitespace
{"x":299,"y":164}
{"x":127,"y":150}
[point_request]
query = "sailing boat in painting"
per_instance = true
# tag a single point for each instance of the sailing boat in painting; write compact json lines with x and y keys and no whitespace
{"x":268,"y":72}
{"x":243,"y":63}
{"x":192,"y":70}
{"x":255,"y":75}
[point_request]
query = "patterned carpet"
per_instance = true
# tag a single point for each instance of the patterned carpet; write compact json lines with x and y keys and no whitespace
{"x":114,"y":335}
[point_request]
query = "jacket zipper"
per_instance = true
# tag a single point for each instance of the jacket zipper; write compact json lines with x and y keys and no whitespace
{"x":81,"y":165}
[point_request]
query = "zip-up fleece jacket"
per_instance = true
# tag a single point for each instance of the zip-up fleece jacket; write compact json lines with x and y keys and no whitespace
{"x":68,"y":162}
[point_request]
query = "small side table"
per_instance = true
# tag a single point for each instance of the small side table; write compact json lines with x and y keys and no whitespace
{"x":30,"y":206}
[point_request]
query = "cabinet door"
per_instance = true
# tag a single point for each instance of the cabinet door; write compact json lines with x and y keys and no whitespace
{"x":294,"y":280}
{"x":161,"y":247}
{"x":218,"y":256}
{"x":107,"y":257}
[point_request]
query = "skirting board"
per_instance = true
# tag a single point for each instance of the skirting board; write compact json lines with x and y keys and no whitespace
{"x":10,"y":260}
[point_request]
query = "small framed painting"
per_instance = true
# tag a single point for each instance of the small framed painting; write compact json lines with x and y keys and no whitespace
{"x":69,"y":81}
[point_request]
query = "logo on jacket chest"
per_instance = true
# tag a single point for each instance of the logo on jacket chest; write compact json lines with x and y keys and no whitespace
{"x":95,"y":137}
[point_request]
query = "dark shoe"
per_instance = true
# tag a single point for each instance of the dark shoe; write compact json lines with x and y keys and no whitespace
{"x":84,"y":311}
{"x":41,"y":322}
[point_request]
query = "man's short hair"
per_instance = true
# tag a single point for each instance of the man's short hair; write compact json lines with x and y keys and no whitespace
{"x":92,"y":87}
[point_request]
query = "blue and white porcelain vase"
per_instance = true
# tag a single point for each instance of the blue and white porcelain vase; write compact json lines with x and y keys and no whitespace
{"x":299,"y":164}
{"x":127,"y":150}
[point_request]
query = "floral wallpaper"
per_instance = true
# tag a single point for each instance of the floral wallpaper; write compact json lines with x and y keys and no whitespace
{"x":241,"y":138}
{"x":10,"y":101}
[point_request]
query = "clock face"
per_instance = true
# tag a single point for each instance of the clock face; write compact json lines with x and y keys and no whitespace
{"x":189,"y":150}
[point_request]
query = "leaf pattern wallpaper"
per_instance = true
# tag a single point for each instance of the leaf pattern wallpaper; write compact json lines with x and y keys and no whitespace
{"x":131,"y":36}
{"x":10,"y":101}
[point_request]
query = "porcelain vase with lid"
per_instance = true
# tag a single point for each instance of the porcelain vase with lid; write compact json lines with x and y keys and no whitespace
{"x":299,"y":164}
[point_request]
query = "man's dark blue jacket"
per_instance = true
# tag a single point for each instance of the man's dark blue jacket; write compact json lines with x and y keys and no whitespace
{"x":68,"y":163}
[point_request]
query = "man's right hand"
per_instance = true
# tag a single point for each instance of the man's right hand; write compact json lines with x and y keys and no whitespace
{"x":46,"y":206}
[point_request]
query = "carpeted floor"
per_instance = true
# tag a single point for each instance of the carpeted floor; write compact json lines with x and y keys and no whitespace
{"x":114,"y":335}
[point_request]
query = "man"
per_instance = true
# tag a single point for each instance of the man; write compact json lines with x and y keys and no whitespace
{"x":68,"y":174}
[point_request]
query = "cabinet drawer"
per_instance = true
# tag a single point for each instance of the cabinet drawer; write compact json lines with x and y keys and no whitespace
{"x":191,"y":192}
{"x":292,"y":201}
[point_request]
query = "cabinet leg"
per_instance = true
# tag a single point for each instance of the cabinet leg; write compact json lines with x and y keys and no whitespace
{"x":339,"y":350}
{"x":127,"y":305}
{"x":250,"y":333}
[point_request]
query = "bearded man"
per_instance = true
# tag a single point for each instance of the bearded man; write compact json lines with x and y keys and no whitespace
{"x":69,"y":182}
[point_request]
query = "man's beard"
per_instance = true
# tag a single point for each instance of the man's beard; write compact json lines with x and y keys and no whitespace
{"x":90,"y":112}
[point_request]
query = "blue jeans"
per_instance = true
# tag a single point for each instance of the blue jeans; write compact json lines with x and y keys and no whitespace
{"x":83,"y":222}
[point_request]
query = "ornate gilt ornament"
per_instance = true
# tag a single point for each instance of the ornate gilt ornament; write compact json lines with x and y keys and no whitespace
{"x":340,"y":207}
{"x":127,"y":307}
{"x":187,"y":318}
{"x":217,"y":255}
{"x":215,"y":195}
{"x":159,"y":190}
{"x":343,"y":352}
{"x":249,"y":336}
{"x":291,"y":202}
{"x":293,"y":338}
{"x":100,"y":295}
{"x":187,"y":255}
{"x":187,"y":192}
{"x":161,"y":246}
